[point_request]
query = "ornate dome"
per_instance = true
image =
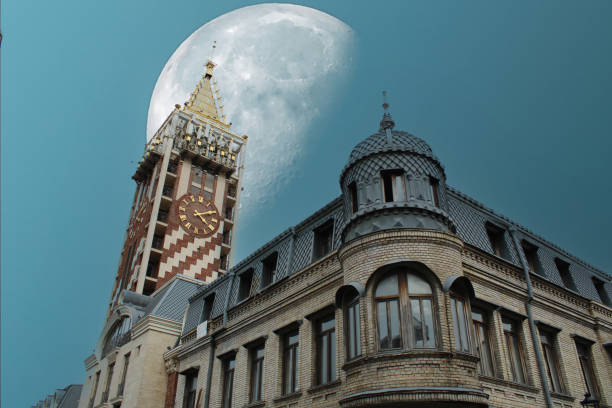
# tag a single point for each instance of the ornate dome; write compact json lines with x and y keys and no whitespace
{"x":399,"y":141}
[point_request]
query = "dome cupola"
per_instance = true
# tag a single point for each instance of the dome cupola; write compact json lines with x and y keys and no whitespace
{"x":393,"y":180}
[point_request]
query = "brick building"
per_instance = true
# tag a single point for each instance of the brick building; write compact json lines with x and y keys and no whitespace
{"x":400,"y":292}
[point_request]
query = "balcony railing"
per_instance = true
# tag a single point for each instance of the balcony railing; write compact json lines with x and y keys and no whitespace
{"x":209,"y":151}
{"x":162,"y":216}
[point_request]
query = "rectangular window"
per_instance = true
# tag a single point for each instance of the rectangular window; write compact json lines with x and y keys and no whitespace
{"x":435,"y":185}
{"x":393,"y":186}
{"x":269,"y":270}
{"x":586,"y":366}
{"x":551,"y":359}
{"x":601,"y":291}
{"x":195,"y":190}
{"x":326,"y":350}
{"x":323,"y":239}
{"x":207,"y":309}
{"x":109,"y":378}
{"x":531,"y":254}
{"x":244,"y":289}
{"x":94,"y":389}
{"x":496,"y":239}
{"x":353,"y":328}
{"x":257,"y":362}
{"x":460,"y":324}
{"x":290,"y":362}
{"x":209,"y":182}
{"x":514,"y":350}
{"x":191,"y":384}
{"x":228,"y":381}
{"x":223,"y":262}
{"x":482,"y":341}
{"x":126,"y":362}
{"x":354,"y":200}
{"x":566,"y":276}
{"x":196,"y":175}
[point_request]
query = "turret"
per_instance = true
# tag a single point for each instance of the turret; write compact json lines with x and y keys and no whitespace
{"x":393,"y":180}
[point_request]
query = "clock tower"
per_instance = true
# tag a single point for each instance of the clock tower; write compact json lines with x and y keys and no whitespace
{"x":187,"y":192}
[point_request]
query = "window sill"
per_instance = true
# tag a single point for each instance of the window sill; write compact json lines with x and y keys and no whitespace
{"x":321,"y":387}
{"x":501,"y":381}
{"x":288,"y":397}
{"x":255,"y":404}
{"x":562,"y":396}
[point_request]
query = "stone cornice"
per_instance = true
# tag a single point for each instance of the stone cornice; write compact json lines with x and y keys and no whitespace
{"x":155,"y":323}
{"x":90,"y":362}
{"x":394,"y":396}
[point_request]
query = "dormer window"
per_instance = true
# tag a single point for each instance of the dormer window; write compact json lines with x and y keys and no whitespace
{"x":394,"y":188}
{"x":531,"y":254}
{"x":566,"y":276}
{"x":353,"y":195}
{"x":601,"y":291}
{"x":209,"y":301}
{"x":269,"y":270}
{"x":496,"y":239}
{"x":246,"y":279}
{"x":323,"y":240}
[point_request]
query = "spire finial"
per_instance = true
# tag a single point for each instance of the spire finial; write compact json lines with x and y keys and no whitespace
{"x":386,"y":123}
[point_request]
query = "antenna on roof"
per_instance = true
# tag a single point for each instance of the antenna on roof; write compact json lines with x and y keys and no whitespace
{"x":386,"y":123}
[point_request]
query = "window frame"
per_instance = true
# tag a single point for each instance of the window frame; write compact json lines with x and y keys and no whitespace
{"x":390,"y":186}
{"x":517,"y":350}
{"x":352,"y":325}
{"x":327,"y":367}
{"x":256,"y":372}
{"x":268,"y":273}
{"x":290,"y":353}
{"x":434,"y":183}
{"x":585,"y":359}
{"x":243,"y":291}
{"x":487,"y":334}
{"x":465,"y":336}
{"x":551,"y":359}
{"x":600,"y":288}
{"x":109,"y":378}
{"x":566,"y":275}
{"x":407,"y":331}
{"x":227,"y":386}
{"x":531,"y":256}
{"x":207,"y":308}
{"x":497,"y":239}
{"x":191,"y":388}
{"x":354,"y":197}
{"x":320,"y":235}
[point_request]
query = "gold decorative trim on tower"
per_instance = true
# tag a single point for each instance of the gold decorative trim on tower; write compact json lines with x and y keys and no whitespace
{"x":204,"y":101}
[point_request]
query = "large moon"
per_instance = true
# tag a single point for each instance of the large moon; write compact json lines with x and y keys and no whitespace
{"x":278,"y":67}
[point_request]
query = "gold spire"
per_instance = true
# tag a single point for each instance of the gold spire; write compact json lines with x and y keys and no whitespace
{"x":204,"y":100}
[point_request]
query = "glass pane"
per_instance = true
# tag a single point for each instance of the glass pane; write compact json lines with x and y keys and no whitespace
{"x":323,"y":360}
{"x":477,"y":315}
{"x":462,"y":325}
{"x":394,"y":320}
{"x":430,"y":340}
{"x":259,"y":353}
{"x":288,"y":371}
{"x":383,"y":330}
{"x":455,"y":324}
{"x":485,"y":352}
{"x":351,"y":332}
{"x":357,"y":330}
{"x":417,"y":324}
{"x":387,"y":286}
{"x":293,"y":338}
{"x":518,"y":365}
{"x":327,"y":324}
{"x":417,"y":285}
{"x":507,"y":324}
{"x":332,"y":356}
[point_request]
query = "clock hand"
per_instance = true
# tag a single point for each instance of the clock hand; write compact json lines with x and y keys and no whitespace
{"x":197,"y":214}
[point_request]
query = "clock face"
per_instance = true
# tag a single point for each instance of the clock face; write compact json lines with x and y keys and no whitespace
{"x":198,"y":215}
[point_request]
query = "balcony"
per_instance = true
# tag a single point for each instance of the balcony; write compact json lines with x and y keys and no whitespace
{"x":231,"y":191}
{"x":202,"y":153}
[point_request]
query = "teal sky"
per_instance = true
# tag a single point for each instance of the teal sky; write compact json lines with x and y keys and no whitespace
{"x":513,"y":97}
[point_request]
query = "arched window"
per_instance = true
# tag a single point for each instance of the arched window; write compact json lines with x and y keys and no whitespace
{"x":352,"y":324}
{"x":118,"y":335}
{"x":404,"y":309}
